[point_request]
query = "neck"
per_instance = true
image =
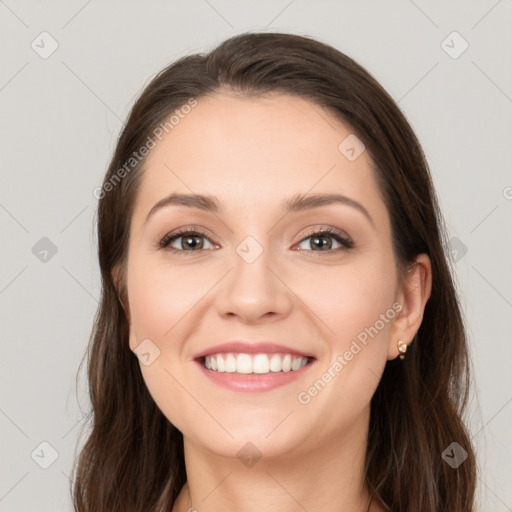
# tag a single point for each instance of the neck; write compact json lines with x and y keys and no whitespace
{"x":329,"y":478}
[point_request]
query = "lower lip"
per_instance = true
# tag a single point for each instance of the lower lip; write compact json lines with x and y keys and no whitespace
{"x":253,"y":382}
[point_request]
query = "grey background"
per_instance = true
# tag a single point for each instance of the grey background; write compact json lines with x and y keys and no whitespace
{"x":60,"y":117}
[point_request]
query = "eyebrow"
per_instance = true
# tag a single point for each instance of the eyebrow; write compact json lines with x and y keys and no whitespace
{"x":297,"y":203}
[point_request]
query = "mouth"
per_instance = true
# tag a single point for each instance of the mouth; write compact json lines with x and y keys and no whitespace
{"x":253,"y":367}
{"x":257,"y":364}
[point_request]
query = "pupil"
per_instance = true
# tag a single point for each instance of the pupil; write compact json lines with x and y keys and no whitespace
{"x":192,"y":244}
{"x":320,"y":239}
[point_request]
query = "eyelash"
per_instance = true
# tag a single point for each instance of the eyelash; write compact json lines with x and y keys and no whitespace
{"x":346,"y":243}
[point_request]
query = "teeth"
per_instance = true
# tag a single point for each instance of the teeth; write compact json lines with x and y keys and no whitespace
{"x":230,"y":363}
{"x":296,"y":363}
{"x":261,"y":364}
{"x":275,"y":363}
{"x":254,"y":363}
{"x":243,"y":363}
{"x":221,"y":366}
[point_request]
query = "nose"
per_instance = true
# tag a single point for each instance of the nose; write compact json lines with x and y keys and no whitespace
{"x":254,"y":290}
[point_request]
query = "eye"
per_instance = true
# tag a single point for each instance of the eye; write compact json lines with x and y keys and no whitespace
{"x":322,"y":241}
{"x":189,"y":240}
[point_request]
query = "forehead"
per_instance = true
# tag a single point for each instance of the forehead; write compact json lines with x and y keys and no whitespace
{"x":256,"y":151}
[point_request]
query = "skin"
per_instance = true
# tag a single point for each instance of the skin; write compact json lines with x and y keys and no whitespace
{"x":252,"y":154}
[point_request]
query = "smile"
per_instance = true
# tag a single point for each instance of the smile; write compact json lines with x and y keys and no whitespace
{"x":254,"y":363}
{"x":253,"y":373}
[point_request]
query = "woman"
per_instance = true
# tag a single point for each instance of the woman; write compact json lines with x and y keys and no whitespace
{"x":278,"y":328}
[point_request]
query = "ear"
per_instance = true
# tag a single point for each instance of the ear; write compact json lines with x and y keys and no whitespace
{"x":412,"y":296}
{"x":119,"y":283}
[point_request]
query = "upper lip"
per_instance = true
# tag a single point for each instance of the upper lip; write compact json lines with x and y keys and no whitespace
{"x":248,"y":347}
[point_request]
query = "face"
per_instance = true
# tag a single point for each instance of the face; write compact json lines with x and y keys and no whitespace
{"x":314,"y":284}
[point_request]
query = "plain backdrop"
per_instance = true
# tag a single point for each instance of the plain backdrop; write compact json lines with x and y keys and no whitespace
{"x":69,"y":74}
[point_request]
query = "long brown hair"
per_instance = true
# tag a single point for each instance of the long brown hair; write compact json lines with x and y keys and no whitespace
{"x":133,"y":458}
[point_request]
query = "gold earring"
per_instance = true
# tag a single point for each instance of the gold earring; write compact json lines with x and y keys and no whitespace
{"x":402,"y":348}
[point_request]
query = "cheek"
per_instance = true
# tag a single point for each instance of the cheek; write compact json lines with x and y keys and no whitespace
{"x":162,"y":300}
{"x":161,"y":296}
{"x":355,"y":304}
{"x":350,"y":298}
